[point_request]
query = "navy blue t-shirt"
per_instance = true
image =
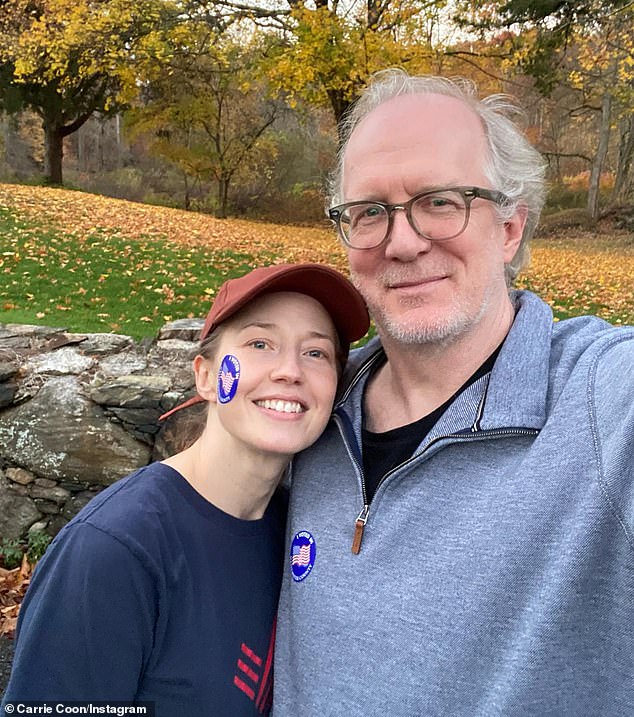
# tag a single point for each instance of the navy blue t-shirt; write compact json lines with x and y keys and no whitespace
{"x":151,"y":593}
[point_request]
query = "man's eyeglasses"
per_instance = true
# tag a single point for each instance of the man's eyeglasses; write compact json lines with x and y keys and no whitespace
{"x":437,"y":215}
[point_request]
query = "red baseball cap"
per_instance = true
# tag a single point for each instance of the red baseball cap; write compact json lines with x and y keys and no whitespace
{"x":330,"y":288}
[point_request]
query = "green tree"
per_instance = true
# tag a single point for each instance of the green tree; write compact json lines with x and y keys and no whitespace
{"x":67,"y":59}
{"x":586,"y":47}
{"x":205,"y":111}
{"x":326,"y":50}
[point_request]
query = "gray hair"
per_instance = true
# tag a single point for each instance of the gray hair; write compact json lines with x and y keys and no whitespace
{"x":514,"y":167}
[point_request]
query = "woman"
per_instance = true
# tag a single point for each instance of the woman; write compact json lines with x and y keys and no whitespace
{"x":164,"y":588}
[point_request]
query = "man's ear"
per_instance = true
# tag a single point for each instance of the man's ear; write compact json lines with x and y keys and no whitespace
{"x":513,"y":230}
{"x":206,"y":378}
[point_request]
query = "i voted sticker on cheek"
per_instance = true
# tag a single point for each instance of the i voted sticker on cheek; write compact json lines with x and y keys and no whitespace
{"x":228,"y":378}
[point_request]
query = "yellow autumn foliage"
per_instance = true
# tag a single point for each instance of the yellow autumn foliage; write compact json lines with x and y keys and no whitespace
{"x":68,"y":42}
{"x":578,"y":272}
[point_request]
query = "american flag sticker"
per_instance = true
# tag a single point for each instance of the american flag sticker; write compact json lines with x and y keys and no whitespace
{"x":303,"y":551}
{"x":228,"y":377}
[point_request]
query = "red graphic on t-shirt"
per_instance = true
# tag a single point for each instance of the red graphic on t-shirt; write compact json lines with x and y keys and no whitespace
{"x":254,"y":676}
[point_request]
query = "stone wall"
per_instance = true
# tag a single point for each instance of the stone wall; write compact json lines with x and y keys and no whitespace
{"x":79,"y":411}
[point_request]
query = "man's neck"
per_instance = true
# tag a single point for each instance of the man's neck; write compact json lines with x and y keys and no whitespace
{"x":417,"y":378}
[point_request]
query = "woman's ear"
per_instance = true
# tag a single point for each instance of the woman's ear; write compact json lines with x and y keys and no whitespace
{"x":206,"y":378}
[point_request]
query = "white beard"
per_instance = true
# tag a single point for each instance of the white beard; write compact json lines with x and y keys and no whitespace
{"x":438,"y":332}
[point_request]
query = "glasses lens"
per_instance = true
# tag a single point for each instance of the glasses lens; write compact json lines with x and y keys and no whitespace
{"x":364,"y":225}
{"x":439,"y":215}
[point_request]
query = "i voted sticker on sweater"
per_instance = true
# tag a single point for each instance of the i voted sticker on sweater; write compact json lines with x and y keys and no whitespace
{"x":228,"y":378}
{"x":303,"y":551}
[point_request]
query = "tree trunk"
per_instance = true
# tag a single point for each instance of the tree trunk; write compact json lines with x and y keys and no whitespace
{"x":597,"y":164}
{"x":624,"y":177}
{"x":223,"y":193}
{"x":117,"y":120}
{"x":53,"y":153}
{"x":339,"y":105}
{"x":6,"y":137}
{"x":101,"y":143}
{"x":188,"y":202}
{"x":81,"y":150}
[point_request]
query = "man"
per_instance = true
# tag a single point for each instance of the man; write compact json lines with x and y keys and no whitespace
{"x":462,"y":536}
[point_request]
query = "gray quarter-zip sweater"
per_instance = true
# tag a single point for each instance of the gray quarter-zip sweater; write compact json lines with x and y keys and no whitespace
{"x":496,"y":571}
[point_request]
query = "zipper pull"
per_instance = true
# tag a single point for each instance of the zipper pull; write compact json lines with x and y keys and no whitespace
{"x":359,"y":527}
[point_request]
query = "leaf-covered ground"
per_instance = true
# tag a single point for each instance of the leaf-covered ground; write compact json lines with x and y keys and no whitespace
{"x":89,"y":263}
{"x":80,"y":214}
{"x":585,"y":273}
{"x":13,"y":585}
{"x":166,"y":263}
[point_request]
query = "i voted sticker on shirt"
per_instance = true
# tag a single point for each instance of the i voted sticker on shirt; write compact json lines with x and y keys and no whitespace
{"x":303,"y":551}
{"x":228,"y":378}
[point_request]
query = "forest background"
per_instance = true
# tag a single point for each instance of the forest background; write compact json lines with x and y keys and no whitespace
{"x":232,"y":107}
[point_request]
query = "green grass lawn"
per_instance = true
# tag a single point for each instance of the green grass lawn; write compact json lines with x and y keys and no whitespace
{"x":103,"y":282}
{"x":92,"y":264}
